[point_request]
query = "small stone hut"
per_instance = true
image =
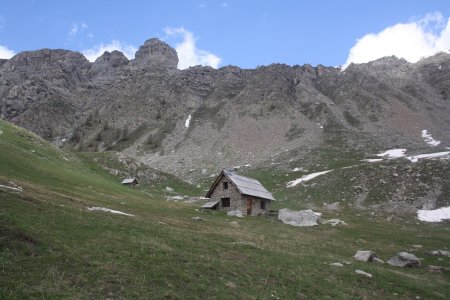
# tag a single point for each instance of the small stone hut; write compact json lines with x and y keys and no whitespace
{"x":130,"y":182}
{"x":234,"y":192}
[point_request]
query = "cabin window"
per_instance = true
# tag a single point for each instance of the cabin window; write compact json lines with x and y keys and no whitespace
{"x":225,"y":185}
{"x":225,"y":202}
{"x":263,"y":204}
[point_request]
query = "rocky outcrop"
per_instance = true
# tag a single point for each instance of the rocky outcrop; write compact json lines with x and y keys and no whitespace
{"x":42,"y":90}
{"x":108,"y":66}
{"x":156,"y":54}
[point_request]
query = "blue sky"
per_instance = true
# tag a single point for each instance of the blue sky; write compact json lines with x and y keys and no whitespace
{"x":242,"y":33}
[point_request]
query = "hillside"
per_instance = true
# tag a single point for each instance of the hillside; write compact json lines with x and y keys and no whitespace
{"x":193,"y":122}
{"x":367,"y":145}
{"x":53,"y":246}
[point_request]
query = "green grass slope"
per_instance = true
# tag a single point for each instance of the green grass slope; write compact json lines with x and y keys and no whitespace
{"x":52,"y":247}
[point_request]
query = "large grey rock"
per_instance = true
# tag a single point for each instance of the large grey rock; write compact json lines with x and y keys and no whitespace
{"x":404,"y":259}
{"x":365,"y":255}
{"x":299,"y":218}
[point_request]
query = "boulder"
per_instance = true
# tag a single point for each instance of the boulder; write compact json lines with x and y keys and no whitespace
{"x":235,"y":213}
{"x":365,"y":255}
{"x":299,"y":218}
{"x":404,"y":259}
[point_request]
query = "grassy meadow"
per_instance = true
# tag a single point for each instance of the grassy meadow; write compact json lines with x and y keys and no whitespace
{"x":53,"y":247}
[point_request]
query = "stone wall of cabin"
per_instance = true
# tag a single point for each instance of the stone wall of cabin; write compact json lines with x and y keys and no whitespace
{"x":232,"y":193}
{"x":256,"y":208}
{"x":237,"y":201}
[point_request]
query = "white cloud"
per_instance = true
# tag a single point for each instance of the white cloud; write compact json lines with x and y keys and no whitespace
{"x":188,"y":54}
{"x":410,"y":41}
{"x":6,"y":53}
{"x":73,"y":29}
{"x":96,"y":51}
{"x":80,"y":28}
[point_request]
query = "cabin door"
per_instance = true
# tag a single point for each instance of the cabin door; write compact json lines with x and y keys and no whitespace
{"x":249,"y":206}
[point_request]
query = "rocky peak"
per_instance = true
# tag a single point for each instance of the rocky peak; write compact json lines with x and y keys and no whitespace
{"x":49,"y":57}
{"x":108,"y":65}
{"x":156,"y":53}
{"x":62,"y":68}
{"x":113,"y":59}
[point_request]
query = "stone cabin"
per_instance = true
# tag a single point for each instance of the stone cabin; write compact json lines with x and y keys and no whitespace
{"x":130,"y":182}
{"x":234,"y":192}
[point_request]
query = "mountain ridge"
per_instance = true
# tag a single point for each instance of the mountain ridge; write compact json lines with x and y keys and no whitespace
{"x":237,"y":116}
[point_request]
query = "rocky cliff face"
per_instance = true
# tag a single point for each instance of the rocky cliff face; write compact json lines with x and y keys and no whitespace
{"x":156,"y":54}
{"x":201,"y":119}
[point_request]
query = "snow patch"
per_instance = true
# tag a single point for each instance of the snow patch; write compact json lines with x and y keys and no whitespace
{"x":415,"y":158}
{"x":188,"y":121}
{"x":435,"y":215}
{"x":108,"y":210}
{"x":393,"y":153}
{"x":440,"y":68}
{"x":320,"y":125}
{"x":429,"y":139}
{"x":297,"y":170}
{"x":372,"y":160}
{"x":305,"y":178}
